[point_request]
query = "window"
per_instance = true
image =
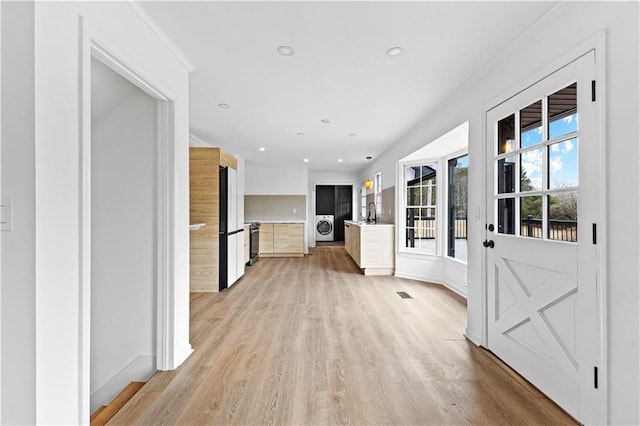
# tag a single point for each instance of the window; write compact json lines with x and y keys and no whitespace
{"x":420,"y":206}
{"x":377,"y":190}
{"x":363,"y":202}
{"x":458,"y":208}
{"x":537,"y":169}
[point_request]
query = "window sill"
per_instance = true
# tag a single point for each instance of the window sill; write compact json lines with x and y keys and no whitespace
{"x":416,"y":254}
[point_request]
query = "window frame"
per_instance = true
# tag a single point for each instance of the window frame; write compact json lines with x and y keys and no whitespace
{"x":446,"y":159}
{"x":517,"y":152}
{"x":377,"y":193}
{"x":402,"y":225}
{"x":363,"y":202}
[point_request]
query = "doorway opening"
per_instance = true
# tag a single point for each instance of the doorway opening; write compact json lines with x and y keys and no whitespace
{"x":124,"y":258}
{"x":334,"y":205}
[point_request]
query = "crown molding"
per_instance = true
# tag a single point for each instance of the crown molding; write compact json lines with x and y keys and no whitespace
{"x":159,"y":32}
{"x":195,"y":141}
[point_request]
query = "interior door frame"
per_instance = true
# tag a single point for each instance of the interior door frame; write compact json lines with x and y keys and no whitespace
{"x":594,"y":402}
{"x":95,"y":45}
{"x":312,"y":203}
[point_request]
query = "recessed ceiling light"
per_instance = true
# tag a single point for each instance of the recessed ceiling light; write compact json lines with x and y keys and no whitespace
{"x":285,"y":50}
{"x":262,"y":149}
{"x":300,"y":134}
{"x":224,"y":106}
{"x":339,"y":160}
{"x":394,"y":51}
{"x":306,"y":160}
{"x":353,"y":135}
{"x":325,"y":121}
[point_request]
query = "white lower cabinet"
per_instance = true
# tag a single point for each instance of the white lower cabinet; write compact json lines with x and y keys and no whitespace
{"x":371,"y":247}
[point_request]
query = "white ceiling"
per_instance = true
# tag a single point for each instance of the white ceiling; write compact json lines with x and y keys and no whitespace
{"x":339,"y":70}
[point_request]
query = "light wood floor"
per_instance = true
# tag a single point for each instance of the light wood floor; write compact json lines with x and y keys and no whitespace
{"x":312,"y":341}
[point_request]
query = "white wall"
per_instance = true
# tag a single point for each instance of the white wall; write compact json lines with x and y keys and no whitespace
{"x":123,"y":229}
{"x":18,"y":380}
{"x":270,"y":180}
{"x":61,"y":388}
{"x":543,"y":45}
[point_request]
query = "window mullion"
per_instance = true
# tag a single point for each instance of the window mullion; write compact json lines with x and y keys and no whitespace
{"x":545,"y":168}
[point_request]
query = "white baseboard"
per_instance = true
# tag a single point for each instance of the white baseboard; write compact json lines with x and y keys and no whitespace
{"x":181,"y":355}
{"x":433,"y":280}
{"x":418,"y":277}
{"x":458,"y":290}
{"x":138,"y":370}
{"x":473,"y":336}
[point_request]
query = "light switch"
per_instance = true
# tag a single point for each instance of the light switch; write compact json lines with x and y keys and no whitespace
{"x":6,"y":214}
{"x":294,"y":211}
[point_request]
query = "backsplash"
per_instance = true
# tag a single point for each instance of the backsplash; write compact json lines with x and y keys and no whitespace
{"x":388,"y":205}
{"x":275,"y":207}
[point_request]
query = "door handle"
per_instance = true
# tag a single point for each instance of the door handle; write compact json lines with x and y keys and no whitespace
{"x":489,"y":243}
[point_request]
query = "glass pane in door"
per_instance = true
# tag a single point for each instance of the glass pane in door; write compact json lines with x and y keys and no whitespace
{"x":531,"y":125}
{"x":506,"y":134}
{"x":563,"y":112}
{"x":506,"y":175}
{"x":563,"y":217}
{"x":506,"y":216}
{"x":531,"y":217}
{"x":563,"y":164}
{"x":531,"y":170}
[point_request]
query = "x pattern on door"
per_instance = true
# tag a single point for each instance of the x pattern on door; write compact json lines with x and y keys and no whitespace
{"x":531,"y":309}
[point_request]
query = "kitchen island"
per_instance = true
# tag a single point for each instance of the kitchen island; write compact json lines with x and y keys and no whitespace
{"x":371,"y":246}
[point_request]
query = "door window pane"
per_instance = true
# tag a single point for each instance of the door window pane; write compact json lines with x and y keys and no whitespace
{"x":563,"y":112}
{"x":506,"y":175}
{"x":506,"y":216}
{"x":531,"y":217}
{"x":531,"y":170}
{"x":563,"y":217}
{"x":506,"y":134}
{"x":531,"y":125}
{"x":563,"y":164}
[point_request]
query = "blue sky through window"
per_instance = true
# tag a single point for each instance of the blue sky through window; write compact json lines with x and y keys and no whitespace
{"x":563,"y":156}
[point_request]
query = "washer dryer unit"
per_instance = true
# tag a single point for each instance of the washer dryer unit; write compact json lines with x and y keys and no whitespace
{"x":324,"y":227}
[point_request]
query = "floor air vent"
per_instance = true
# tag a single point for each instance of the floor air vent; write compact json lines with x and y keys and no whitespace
{"x":404,"y":295}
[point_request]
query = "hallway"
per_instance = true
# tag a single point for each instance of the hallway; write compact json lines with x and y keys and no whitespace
{"x":312,"y":341}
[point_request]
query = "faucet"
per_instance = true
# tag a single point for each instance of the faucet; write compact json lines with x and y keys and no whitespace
{"x":369,"y":212}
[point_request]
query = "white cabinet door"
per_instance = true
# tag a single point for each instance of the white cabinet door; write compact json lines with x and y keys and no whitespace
{"x":232,"y":253}
{"x":232,"y":201}
{"x":240,"y":255}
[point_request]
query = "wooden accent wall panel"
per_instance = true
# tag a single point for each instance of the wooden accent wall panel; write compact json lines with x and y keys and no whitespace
{"x":228,"y":160}
{"x":204,"y":207}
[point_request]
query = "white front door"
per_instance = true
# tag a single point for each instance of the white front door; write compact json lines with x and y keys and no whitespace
{"x":541,"y":258}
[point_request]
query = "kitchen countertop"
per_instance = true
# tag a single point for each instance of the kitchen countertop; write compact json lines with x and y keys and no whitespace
{"x":278,"y":221}
{"x":353,"y":222}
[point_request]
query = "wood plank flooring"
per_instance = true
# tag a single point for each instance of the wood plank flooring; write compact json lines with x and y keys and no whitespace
{"x":312,"y":341}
